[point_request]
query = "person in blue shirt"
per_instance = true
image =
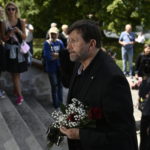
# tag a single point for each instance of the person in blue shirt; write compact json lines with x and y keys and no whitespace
{"x":51,"y":48}
{"x":127,"y":40}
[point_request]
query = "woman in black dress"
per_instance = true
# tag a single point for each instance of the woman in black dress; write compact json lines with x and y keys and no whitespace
{"x":14,"y":34}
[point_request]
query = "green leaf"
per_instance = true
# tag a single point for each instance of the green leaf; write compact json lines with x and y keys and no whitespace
{"x":63,"y":108}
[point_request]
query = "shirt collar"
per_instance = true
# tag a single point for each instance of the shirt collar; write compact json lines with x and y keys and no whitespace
{"x":80,"y":70}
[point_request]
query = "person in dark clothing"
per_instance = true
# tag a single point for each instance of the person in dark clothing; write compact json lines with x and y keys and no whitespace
{"x":66,"y":67}
{"x":140,"y":67}
{"x":99,"y":83}
{"x":145,"y":126}
{"x":63,"y":35}
{"x":143,"y":65}
{"x":143,"y":71}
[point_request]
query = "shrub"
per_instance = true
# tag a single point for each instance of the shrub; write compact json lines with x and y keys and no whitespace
{"x":38,"y":46}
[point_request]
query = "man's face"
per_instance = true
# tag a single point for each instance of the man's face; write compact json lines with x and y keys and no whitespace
{"x":78,"y":48}
{"x":128,"y":28}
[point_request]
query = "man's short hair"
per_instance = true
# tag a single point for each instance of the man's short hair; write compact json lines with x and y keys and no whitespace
{"x":88,"y":29}
{"x":64,"y":26}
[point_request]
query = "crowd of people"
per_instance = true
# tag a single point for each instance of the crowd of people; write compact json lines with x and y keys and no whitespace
{"x":73,"y":58}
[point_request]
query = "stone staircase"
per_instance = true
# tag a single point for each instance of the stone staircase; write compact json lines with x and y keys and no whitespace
{"x":23,"y":127}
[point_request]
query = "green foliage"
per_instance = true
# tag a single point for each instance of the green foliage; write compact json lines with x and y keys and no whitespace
{"x":147,"y":41}
{"x":112,"y":15}
{"x":37,"y":53}
{"x":119,"y":63}
{"x":38,"y":46}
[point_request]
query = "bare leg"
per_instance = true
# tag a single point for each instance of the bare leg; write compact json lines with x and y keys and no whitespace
{"x":17,"y":84}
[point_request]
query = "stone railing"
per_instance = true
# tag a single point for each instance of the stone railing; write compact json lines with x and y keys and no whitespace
{"x":35,"y":81}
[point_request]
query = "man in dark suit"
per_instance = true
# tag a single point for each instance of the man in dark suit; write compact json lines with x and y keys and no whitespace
{"x":100,"y":84}
{"x":63,"y":35}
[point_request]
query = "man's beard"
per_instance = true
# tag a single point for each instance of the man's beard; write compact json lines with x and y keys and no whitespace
{"x":78,"y":58}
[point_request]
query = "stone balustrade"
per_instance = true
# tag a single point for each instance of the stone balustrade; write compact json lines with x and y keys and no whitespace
{"x":35,"y":81}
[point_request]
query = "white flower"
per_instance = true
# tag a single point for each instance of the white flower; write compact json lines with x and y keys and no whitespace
{"x":61,"y":118}
{"x":74,"y":114}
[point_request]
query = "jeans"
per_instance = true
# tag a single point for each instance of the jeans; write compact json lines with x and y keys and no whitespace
{"x":127,"y":55}
{"x":56,"y":88}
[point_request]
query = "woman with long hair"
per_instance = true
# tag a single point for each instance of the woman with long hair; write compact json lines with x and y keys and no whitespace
{"x":14,"y":35}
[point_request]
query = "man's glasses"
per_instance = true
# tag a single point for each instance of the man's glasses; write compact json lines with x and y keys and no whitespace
{"x":9,"y":9}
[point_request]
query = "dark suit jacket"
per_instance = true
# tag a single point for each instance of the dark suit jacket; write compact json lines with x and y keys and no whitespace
{"x":66,"y":67}
{"x":63,"y":38}
{"x":107,"y":88}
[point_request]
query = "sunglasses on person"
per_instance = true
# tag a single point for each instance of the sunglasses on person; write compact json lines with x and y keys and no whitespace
{"x":9,"y":9}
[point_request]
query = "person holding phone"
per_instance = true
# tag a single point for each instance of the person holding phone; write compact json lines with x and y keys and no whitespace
{"x":14,"y":35}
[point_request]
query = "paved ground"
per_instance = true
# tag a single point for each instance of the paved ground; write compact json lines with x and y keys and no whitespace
{"x":137,"y":113}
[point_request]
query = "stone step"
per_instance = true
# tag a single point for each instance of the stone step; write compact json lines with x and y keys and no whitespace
{"x":47,"y":104}
{"x":19,"y":129}
{"x":45,"y":118}
{"x":7,"y":142}
{"x":33,"y":122}
{"x":39,"y":110}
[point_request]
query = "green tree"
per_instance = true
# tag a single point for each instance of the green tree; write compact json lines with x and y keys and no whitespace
{"x":112,"y":15}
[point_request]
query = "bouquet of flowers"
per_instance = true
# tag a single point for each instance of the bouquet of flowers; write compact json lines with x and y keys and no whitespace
{"x":73,"y":115}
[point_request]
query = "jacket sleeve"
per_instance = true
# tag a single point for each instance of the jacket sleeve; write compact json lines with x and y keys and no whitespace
{"x":47,"y":51}
{"x":118,"y":115}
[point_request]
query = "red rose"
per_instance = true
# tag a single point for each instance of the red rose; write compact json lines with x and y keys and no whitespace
{"x":95,"y":113}
{"x":71,"y":117}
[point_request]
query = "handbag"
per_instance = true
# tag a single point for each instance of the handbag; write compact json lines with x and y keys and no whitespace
{"x":24,"y":47}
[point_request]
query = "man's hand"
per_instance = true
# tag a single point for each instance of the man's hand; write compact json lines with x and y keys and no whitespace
{"x":72,"y":133}
{"x":131,"y":43}
{"x":124,"y":43}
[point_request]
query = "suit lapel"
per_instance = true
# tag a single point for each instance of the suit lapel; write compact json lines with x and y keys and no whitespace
{"x":72,"y":81}
{"x":95,"y":65}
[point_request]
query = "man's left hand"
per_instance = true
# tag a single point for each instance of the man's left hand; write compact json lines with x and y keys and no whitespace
{"x":72,"y":133}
